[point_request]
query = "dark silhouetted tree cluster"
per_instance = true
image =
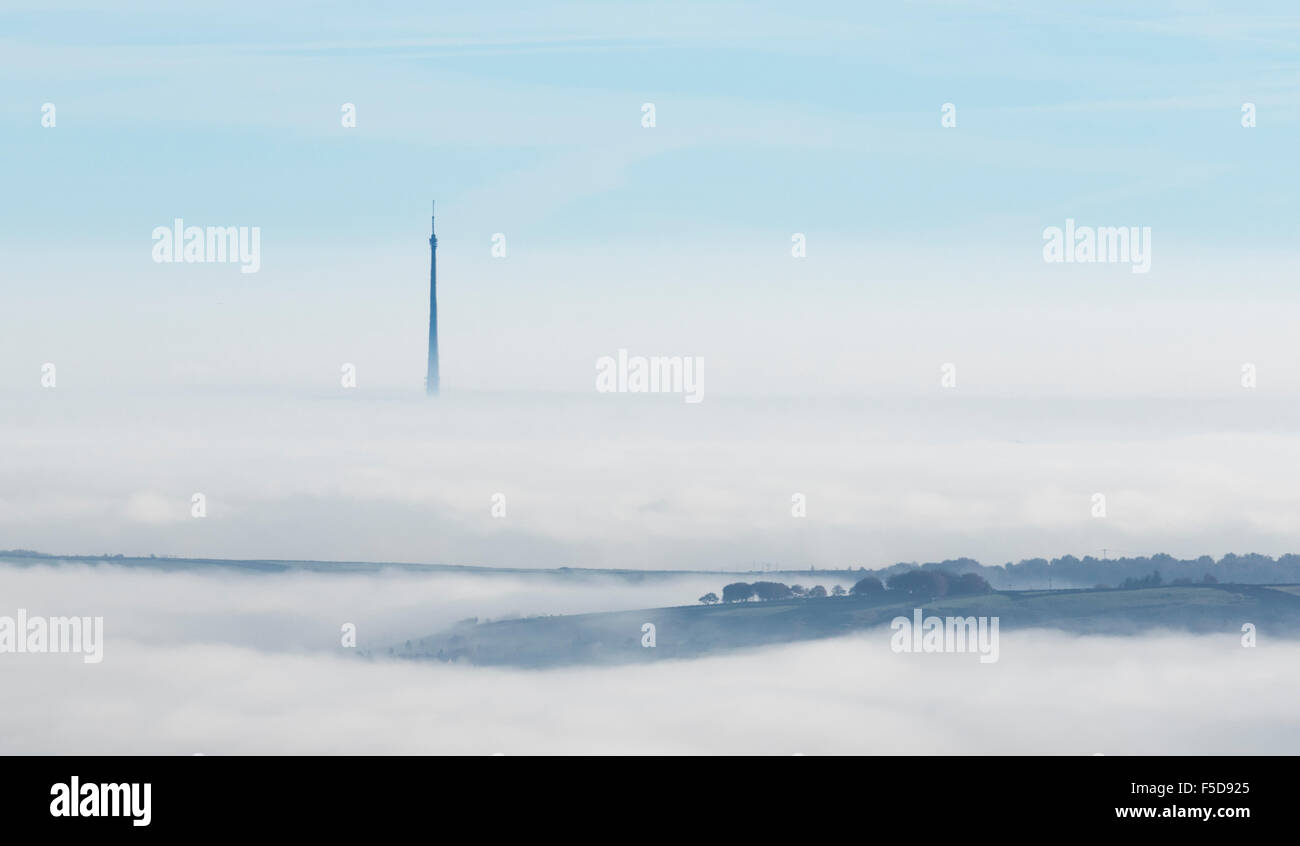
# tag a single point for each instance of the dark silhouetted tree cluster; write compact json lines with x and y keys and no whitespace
{"x":969,"y":584}
{"x":966,"y":576}
{"x":932,"y":584}
{"x":927,"y":584}
{"x":1069,"y":571}
{"x":1152,"y":580}
{"x":738,"y":592}
{"x":866,"y":585}
{"x":767,"y":591}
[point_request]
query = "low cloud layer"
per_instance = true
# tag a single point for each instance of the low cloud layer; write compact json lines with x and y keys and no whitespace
{"x":301,"y":612}
{"x":646,"y":482}
{"x":226,"y":663}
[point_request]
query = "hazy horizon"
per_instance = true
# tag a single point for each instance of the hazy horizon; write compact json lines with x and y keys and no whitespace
{"x":229,"y":663}
{"x":645,"y":482}
{"x":721,"y":289}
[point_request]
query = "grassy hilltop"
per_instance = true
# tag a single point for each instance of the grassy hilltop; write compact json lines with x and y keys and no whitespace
{"x":693,"y":631}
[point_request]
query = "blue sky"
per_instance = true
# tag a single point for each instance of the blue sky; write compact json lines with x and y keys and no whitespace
{"x":924,"y":249}
{"x":771,"y":119}
{"x":827,"y":118}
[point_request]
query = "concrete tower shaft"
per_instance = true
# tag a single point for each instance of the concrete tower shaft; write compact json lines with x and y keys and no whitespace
{"x":431,"y":382}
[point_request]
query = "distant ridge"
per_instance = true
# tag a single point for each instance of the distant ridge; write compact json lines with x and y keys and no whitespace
{"x":695,"y":631}
{"x":1030,"y":573}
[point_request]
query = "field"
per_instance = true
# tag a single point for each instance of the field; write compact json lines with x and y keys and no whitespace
{"x":694,"y":631}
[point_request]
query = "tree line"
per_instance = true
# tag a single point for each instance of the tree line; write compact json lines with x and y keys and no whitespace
{"x":930,"y":584}
{"x":1089,"y":571}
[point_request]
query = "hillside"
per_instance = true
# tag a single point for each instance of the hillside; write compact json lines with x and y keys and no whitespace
{"x":694,"y":631}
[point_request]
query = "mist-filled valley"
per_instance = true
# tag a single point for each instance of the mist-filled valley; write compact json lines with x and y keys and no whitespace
{"x":645,"y":481}
{"x":587,"y":514}
{"x":229,"y":662}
